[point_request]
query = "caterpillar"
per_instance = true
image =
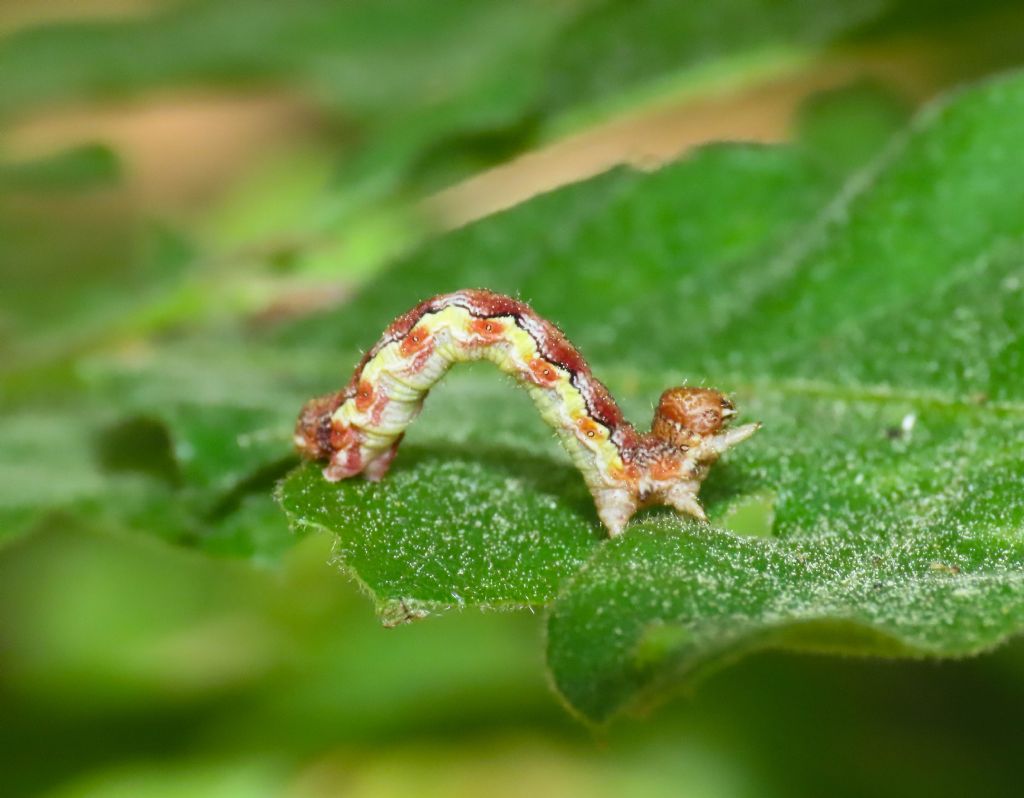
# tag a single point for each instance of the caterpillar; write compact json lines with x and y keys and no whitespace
{"x":357,"y":430}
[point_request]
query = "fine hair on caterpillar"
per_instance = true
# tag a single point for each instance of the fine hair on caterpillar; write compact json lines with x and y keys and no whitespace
{"x":358,"y":429}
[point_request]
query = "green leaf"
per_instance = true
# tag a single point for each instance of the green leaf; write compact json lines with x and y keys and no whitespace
{"x":874,"y":551}
{"x":885,"y":361}
{"x":74,"y":462}
{"x":229,"y":401}
{"x":31,"y":481}
{"x":107,"y":272}
{"x":482,"y":506}
{"x":876,"y":512}
{"x":81,"y":168}
{"x":254,"y":530}
{"x":449,"y":532}
{"x":848,"y":126}
{"x":485,"y":509}
{"x":228,"y":407}
{"x":485,"y":522}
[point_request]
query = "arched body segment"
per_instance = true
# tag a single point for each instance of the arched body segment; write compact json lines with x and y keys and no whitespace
{"x":358,"y":429}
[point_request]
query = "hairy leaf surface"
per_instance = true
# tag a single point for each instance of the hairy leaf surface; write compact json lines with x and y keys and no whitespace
{"x":879,"y":341}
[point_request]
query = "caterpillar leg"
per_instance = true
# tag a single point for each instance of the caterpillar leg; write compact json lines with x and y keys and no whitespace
{"x":337,"y":471}
{"x":683,"y":498}
{"x":615,"y":506}
{"x":346,"y":459}
{"x":378,"y":467}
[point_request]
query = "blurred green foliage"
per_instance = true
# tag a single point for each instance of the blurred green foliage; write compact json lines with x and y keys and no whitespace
{"x":164,"y":633}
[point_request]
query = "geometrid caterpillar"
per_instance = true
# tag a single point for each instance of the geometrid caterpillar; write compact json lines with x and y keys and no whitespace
{"x":358,"y":429}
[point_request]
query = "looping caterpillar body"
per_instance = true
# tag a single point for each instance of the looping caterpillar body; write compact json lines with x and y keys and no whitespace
{"x":358,"y":429}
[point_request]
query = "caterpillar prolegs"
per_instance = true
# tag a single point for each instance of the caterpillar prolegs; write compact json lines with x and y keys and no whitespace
{"x":358,"y":429}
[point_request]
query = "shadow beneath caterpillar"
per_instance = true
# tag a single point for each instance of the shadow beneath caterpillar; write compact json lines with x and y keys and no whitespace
{"x":726,"y":481}
{"x":544,"y":475}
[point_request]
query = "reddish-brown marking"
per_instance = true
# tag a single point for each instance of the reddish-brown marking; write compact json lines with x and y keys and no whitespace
{"x":378,"y":409}
{"x":420,"y":359}
{"x":627,"y":440}
{"x":364,"y":396}
{"x":343,"y":438}
{"x":601,"y":404}
{"x":488,"y":331}
{"x":555,"y":348}
{"x":487,"y":303}
{"x":629,"y":473}
{"x":587,"y":428}
{"x":558,"y":349}
{"x":354,"y":459}
{"x":400,"y":327}
{"x":416,"y":341}
{"x":665,"y":468}
{"x":543,"y":372}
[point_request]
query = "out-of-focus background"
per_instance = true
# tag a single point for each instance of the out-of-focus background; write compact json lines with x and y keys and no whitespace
{"x":224,"y":167}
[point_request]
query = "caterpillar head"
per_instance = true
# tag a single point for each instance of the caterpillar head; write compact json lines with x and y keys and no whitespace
{"x":697,"y":420}
{"x":313,"y":430}
{"x":686,"y":416}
